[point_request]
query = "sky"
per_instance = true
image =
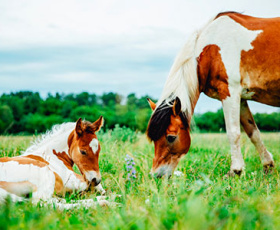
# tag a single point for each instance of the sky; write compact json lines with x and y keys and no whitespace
{"x":123,"y":46}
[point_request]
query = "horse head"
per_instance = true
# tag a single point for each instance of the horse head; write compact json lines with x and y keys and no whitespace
{"x":84,"y":149}
{"x":169,"y":130}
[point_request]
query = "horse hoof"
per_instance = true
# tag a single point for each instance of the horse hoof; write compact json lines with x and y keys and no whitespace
{"x":268,"y":167}
{"x":237,"y":172}
{"x":233,"y":173}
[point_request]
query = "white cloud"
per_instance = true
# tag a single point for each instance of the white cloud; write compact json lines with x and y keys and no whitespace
{"x":115,"y":45}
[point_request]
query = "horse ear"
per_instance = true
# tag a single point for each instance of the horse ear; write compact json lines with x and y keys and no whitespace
{"x":152,"y":104}
{"x":96,"y":126}
{"x":79,"y":128}
{"x":176,"y":107}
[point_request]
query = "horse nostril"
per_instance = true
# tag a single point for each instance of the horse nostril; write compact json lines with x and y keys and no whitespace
{"x":96,"y":181}
{"x":171,"y":138}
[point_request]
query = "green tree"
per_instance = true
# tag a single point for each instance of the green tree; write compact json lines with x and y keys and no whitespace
{"x":6,"y":118}
{"x":50,"y":106}
{"x":40,"y":123}
{"x":31,"y":102}
{"x":85,"y":112}
{"x":210,"y":121}
{"x":111,"y":99}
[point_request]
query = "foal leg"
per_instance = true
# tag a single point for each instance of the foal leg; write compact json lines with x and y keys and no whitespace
{"x":253,"y":133}
{"x":231,"y":107}
{"x":4,"y":194}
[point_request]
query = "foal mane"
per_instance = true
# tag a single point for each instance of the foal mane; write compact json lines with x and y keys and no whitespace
{"x":56,"y":138}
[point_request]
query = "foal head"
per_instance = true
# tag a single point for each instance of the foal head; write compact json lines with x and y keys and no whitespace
{"x":84,"y":149}
{"x":169,"y":130}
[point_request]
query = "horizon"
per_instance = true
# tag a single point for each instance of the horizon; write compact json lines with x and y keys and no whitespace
{"x":124,"y":97}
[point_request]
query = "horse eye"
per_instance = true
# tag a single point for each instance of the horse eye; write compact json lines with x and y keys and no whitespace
{"x":171,"y":138}
{"x":83,"y":152}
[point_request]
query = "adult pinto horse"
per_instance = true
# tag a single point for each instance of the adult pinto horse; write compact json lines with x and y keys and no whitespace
{"x":46,"y":167}
{"x":234,"y":58}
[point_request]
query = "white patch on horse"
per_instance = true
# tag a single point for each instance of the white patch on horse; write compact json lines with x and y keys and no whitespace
{"x":94,"y":145}
{"x":57,"y":139}
{"x":166,"y":170}
{"x":232,"y":38}
{"x":42,"y":177}
{"x":90,"y":175}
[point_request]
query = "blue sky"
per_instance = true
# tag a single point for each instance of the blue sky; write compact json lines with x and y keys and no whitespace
{"x":102,"y":46}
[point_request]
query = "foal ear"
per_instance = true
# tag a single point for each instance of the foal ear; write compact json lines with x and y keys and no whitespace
{"x":176,"y":107}
{"x":96,"y":126}
{"x":152,"y":104}
{"x":79,"y":127}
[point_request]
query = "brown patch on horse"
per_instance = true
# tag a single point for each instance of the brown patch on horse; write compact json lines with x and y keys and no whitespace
{"x":59,"y":186}
{"x":38,"y":158}
{"x":246,"y":119}
{"x":63,"y":156}
{"x":213,"y":79}
{"x":260,"y":66}
{"x":22,"y":188}
{"x":69,"y":163}
{"x":24,"y":160}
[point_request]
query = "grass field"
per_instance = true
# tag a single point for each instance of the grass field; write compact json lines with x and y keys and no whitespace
{"x":200,"y":199}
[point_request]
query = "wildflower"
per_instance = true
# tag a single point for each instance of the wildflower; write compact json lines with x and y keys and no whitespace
{"x":178,"y":173}
{"x":130,"y":167}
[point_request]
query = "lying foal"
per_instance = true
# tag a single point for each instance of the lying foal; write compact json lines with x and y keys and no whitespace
{"x":46,"y":168}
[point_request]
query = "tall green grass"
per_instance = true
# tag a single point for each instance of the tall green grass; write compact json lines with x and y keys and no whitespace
{"x":200,"y":199}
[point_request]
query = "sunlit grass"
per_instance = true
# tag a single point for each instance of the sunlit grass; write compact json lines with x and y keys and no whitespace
{"x":201,"y":199}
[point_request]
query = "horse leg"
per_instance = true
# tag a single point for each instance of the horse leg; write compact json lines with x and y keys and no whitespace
{"x":231,"y":107}
{"x":253,"y":133}
{"x":4,"y":194}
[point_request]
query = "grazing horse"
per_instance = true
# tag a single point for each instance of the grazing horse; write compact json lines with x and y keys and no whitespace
{"x":46,"y":167}
{"x":234,"y":58}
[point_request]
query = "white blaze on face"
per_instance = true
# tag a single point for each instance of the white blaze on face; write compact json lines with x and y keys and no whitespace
{"x":94,"y":145}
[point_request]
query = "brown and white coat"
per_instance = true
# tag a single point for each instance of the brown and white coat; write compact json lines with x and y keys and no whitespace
{"x":46,"y":167}
{"x":234,"y":58}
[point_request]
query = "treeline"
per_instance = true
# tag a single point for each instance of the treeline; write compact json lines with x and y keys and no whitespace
{"x":214,"y":121}
{"x":28,"y":112}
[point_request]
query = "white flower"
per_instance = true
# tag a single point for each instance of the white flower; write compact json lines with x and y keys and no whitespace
{"x":178,"y":173}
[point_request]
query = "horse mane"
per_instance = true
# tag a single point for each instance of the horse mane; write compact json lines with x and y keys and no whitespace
{"x":227,"y":13}
{"x":160,"y":121}
{"x":182,"y":82}
{"x":56,"y":138}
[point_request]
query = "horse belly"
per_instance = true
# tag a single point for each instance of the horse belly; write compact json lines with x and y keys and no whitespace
{"x":261,"y":81}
